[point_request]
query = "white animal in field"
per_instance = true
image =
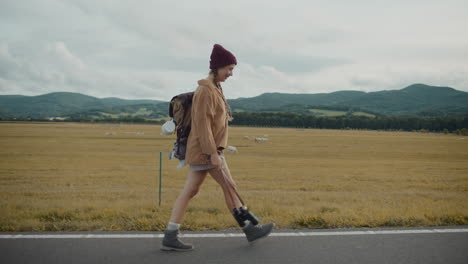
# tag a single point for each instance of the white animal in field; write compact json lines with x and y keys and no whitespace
{"x":246,"y":137}
{"x":231,"y":150}
{"x":261,"y":139}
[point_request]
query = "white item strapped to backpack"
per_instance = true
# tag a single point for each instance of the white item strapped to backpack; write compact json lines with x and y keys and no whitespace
{"x":168,"y":128}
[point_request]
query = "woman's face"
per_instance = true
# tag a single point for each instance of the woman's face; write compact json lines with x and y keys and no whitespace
{"x":225,"y":72}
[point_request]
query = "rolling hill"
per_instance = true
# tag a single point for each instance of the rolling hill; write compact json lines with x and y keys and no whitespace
{"x":414,"y":100}
{"x":275,"y":100}
{"x":60,"y":104}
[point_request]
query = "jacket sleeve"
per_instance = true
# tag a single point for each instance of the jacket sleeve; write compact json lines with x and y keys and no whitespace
{"x":203,"y":111}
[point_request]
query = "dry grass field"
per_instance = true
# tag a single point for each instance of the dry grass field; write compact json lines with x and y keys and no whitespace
{"x":72,"y":176}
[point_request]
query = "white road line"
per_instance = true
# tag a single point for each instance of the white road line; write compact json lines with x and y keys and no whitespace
{"x":222,"y":235}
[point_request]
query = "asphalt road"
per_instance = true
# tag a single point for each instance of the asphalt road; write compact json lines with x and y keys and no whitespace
{"x":423,"y":245}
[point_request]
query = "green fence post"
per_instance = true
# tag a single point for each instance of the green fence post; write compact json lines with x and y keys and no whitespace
{"x":160,"y":176}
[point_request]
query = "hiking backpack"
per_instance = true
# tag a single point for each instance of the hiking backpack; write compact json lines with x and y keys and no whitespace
{"x":180,"y":110}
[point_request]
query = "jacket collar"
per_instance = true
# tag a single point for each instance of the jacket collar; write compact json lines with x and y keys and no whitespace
{"x":208,"y":81}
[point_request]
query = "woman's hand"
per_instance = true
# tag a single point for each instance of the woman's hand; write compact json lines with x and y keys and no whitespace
{"x":217,"y":161}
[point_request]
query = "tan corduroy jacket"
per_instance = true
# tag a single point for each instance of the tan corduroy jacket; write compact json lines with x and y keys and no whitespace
{"x":209,"y":123}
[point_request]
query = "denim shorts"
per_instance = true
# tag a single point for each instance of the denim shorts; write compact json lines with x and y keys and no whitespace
{"x":201,"y":167}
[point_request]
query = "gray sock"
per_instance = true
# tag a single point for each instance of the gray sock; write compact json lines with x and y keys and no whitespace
{"x":173,"y":226}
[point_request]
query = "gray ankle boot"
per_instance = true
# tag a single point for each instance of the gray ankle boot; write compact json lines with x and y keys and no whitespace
{"x":172,"y":242}
{"x":254,"y":232}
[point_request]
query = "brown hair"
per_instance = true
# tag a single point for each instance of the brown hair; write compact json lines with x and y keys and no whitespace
{"x":218,"y":85}
{"x":215,"y":77}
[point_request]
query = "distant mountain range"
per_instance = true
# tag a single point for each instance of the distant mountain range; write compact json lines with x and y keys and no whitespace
{"x":63,"y":104}
{"x":415,"y":100}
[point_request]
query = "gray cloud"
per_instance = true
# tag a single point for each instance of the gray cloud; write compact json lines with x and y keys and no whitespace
{"x":294,"y":63}
{"x":155,"y":49}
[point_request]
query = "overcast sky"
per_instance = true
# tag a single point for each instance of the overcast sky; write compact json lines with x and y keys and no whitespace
{"x":154,"y":49}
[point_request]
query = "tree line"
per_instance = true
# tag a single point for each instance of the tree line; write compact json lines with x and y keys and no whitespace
{"x":405,"y":123}
{"x":87,"y":119}
{"x":448,"y":124}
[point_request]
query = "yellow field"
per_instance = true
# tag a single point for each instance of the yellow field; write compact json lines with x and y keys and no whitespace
{"x":71,"y":176}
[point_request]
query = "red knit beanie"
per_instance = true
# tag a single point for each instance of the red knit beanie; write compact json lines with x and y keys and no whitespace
{"x":221,"y":57}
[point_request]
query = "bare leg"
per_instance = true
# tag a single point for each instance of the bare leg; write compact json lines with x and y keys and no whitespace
{"x":224,"y":179}
{"x":191,"y":188}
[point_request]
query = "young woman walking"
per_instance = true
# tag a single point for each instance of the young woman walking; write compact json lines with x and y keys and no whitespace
{"x":207,"y":139}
